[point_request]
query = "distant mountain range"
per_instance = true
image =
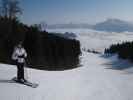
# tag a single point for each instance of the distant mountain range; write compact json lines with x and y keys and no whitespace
{"x":114,"y":25}
{"x":109,"y":25}
{"x":69,"y":26}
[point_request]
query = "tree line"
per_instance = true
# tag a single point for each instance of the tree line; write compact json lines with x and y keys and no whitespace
{"x":124,"y":50}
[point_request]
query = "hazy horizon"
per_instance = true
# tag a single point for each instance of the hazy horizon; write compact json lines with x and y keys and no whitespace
{"x":75,"y":11}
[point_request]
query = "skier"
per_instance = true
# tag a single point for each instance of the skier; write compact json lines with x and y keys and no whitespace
{"x":19,"y":56}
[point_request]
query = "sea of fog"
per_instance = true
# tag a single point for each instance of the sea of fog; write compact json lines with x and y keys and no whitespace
{"x":96,"y":40}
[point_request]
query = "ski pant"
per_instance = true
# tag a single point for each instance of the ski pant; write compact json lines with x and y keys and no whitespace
{"x":20,"y":71}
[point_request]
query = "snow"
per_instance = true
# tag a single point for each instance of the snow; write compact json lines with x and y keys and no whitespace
{"x":92,"y":81}
{"x":96,"y":79}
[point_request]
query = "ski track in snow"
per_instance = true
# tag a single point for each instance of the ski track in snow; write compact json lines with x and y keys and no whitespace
{"x":93,"y":81}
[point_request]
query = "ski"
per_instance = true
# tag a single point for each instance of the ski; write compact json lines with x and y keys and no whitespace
{"x":27,"y":83}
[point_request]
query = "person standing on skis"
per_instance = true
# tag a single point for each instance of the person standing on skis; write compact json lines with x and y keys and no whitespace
{"x":19,"y":56}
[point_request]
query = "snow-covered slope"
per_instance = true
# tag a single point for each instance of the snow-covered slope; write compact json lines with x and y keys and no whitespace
{"x":92,"y":81}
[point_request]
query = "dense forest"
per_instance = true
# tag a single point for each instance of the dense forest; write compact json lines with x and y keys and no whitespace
{"x":45,"y":51}
{"x":124,"y":50}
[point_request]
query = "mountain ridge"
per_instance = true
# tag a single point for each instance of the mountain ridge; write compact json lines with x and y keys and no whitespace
{"x":114,"y":25}
{"x":109,"y":25}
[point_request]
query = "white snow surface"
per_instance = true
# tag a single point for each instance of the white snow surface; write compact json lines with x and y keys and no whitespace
{"x":92,"y":81}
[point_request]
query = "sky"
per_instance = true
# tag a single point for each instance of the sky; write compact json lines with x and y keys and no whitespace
{"x":75,"y":11}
